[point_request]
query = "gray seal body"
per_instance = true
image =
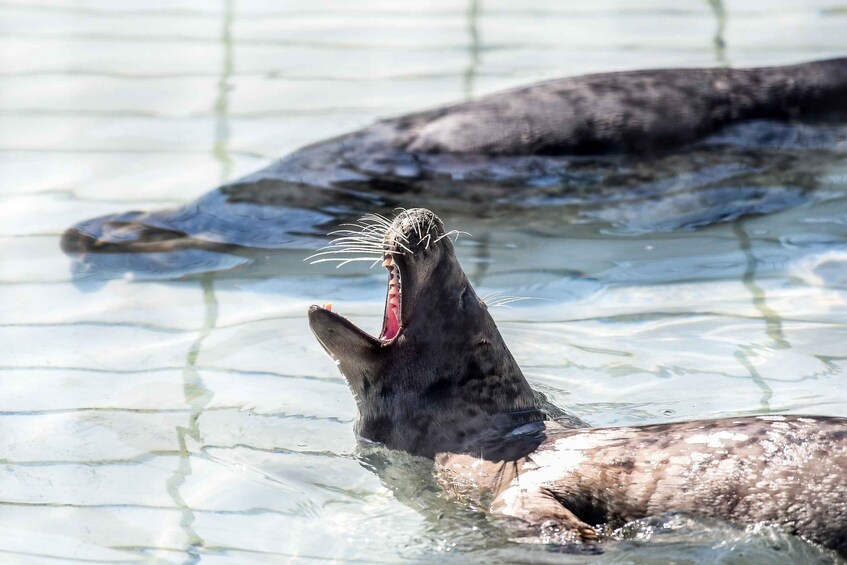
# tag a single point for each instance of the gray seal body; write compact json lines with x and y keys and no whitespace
{"x":580,"y":138}
{"x":439,"y":382}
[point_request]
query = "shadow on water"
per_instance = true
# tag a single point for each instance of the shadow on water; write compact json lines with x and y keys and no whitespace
{"x":197,"y":394}
{"x":747,"y":354}
{"x":474,"y":46}
{"x":719,"y":42}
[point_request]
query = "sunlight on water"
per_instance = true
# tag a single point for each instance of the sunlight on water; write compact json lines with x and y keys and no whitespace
{"x":186,"y":415}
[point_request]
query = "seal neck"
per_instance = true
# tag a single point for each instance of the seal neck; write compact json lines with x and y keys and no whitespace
{"x":509,"y":436}
{"x":523,"y":416}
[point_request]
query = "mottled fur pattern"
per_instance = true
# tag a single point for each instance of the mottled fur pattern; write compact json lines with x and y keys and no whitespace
{"x":634,"y":111}
{"x":447,"y":388}
{"x":498,"y":147}
{"x":788,"y":470}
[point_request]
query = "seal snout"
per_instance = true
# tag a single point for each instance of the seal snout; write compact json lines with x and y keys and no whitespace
{"x":411,"y":230}
{"x":401,"y":244}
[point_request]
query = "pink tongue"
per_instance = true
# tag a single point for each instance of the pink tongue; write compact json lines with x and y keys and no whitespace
{"x":392,"y":325}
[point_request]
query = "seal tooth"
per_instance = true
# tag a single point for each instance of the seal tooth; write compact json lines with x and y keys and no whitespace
{"x":391,"y":322}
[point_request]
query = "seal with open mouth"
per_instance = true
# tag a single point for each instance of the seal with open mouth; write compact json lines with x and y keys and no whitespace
{"x":439,"y":382}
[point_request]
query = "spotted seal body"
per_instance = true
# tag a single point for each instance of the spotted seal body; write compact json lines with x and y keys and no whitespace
{"x":635,"y":111}
{"x":529,"y":145}
{"x":439,"y":382}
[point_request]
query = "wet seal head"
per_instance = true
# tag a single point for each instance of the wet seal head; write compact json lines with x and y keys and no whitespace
{"x":439,"y":377}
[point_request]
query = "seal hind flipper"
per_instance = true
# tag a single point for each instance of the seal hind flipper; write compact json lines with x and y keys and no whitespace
{"x":532,"y":507}
{"x":538,"y":507}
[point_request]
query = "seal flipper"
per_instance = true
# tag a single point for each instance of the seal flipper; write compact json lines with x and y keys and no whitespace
{"x":527,"y":506}
{"x":538,"y":507}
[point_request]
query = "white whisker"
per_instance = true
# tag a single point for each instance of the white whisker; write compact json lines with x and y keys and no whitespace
{"x":343,"y":253}
{"x":348,"y":250}
{"x":353,"y":240}
{"x":394,"y":230}
{"x":358,"y":234}
{"x":343,"y":261}
{"x":452,"y":232}
{"x":416,"y":224}
{"x":381,"y":218}
{"x":363,"y":231}
{"x":357,"y":238}
{"x":365,"y":240}
{"x":495,"y":299}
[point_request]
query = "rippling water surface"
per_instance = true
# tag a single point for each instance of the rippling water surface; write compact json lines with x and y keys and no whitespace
{"x":194,"y":418}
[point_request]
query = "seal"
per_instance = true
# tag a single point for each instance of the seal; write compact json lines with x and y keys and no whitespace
{"x":755,"y":137}
{"x":439,"y":382}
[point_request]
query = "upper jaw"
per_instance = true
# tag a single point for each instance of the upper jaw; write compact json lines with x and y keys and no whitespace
{"x":392,"y":321}
{"x":412,"y":232}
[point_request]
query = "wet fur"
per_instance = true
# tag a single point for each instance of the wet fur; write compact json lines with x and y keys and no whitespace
{"x":637,"y":111}
{"x":497,"y":148}
{"x":447,"y":388}
{"x":470,"y":378}
{"x":787,"y":470}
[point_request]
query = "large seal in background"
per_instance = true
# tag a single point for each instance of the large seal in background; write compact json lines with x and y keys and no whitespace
{"x":439,"y":382}
{"x":729,"y":140}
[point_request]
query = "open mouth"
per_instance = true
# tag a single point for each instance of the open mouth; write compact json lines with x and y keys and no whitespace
{"x":391,"y":324}
{"x":395,"y":243}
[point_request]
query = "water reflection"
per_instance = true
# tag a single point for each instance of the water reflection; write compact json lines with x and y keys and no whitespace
{"x":175,"y":415}
{"x":719,"y":41}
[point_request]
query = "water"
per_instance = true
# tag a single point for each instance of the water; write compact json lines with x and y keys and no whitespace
{"x":192,"y":418}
